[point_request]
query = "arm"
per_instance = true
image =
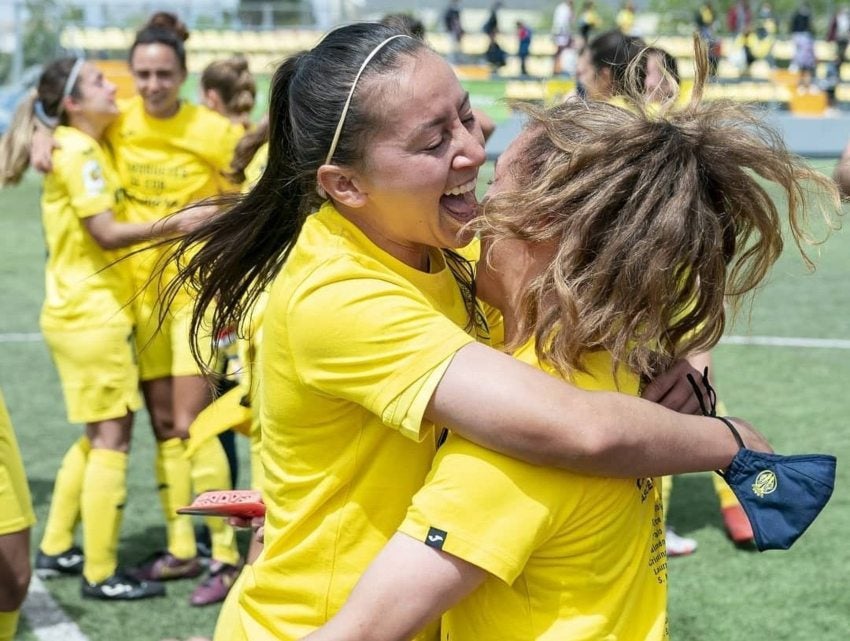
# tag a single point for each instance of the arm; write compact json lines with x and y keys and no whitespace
{"x":510,"y":407}
{"x":111,"y":234}
{"x":41,"y":148}
{"x":374,"y":611}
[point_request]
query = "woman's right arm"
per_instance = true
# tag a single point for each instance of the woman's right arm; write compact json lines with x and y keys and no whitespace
{"x":508,"y":406}
{"x":112,"y":234}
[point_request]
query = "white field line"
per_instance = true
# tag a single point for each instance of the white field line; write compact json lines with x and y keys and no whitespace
{"x":21,"y":337}
{"x":764,"y":341}
{"x":46,"y":619}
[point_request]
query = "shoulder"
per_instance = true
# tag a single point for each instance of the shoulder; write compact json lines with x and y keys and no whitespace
{"x":75,"y":147}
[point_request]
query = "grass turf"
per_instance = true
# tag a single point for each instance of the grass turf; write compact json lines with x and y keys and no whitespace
{"x":795,"y":395}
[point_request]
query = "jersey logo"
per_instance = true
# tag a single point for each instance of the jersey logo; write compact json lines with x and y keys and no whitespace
{"x":765,"y":483}
{"x":93,"y":178}
{"x":435,"y":538}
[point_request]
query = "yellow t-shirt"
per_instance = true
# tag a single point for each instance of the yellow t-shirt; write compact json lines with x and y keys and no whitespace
{"x":83,"y":287}
{"x":354,"y":343}
{"x":570,"y":556}
{"x":257,"y":165}
{"x":166,"y":163}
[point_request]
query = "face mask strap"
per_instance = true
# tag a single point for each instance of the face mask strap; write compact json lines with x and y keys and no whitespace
{"x":711,"y":408}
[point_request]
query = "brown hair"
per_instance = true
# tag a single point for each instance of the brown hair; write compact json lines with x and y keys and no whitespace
{"x":657,"y":219}
{"x":247,"y":148}
{"x":15,"y":143}
{"x":169,"y":22}
{"x":234,"y":82}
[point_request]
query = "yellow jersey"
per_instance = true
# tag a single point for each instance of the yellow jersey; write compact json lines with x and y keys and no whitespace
{"x":84,"y":288}
{"x":569,"y":556}
{"x":354,"y":344}
{"x":167,"y":163}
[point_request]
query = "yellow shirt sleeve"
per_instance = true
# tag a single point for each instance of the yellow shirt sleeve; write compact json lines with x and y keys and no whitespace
{"x":84,"y":177}
{"x":370,"y":341}
{"x":515,"y":508}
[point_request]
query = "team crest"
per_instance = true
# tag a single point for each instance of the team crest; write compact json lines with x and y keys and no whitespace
{"x":93,"y":178}
{"x":765,"y":483}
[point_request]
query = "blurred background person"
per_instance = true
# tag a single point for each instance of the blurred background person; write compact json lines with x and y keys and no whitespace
{"x":229,"y":88}
{"x":562,"y":33}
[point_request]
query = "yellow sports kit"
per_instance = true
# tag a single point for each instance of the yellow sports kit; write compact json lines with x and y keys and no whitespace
{"x":569,"y":556}
{"x":86,"y":319}
{"x":354,"y":344}
{"x":164,"y":165}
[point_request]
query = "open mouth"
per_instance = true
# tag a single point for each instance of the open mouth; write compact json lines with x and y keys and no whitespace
{"x":460,"y":202}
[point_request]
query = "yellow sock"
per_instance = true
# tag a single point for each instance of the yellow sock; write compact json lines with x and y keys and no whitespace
{"x":104,"y":493}
{"x":175,"y":490}
{"x":210,"y":472}
{"x":8,"y":624}
{"x":65,"y":502}
{"x":724,"y":493}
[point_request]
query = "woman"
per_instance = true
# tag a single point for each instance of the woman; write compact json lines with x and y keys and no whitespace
{"x":602,"y":64}
{"x":229,"y":89}
{"x":364,"y":349}
{"x":169,"y":154}
{"x":584,"y":280}
{"x":87,"y":324}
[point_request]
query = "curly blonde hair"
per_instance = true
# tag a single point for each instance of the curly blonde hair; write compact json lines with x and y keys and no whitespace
{"x":658,"y":219}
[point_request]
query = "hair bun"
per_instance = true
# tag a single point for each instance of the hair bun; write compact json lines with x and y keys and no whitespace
{"x":170,"y":22}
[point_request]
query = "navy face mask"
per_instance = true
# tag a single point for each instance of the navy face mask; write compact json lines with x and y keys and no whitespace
{"x":781,"y":495}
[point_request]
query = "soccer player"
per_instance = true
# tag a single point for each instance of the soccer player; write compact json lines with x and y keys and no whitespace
{"x":87,"y":324}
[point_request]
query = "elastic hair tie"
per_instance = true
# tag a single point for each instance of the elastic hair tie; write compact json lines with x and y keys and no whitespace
{"x":344,"y":113}
{"x":41,"y":115}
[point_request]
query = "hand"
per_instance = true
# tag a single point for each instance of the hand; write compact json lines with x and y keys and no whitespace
{"x":188,"y":220}
{"x":672,"y":389}
{"x":41,"y":150}
{"x":753,"y":439}
{"x":257,"y":523}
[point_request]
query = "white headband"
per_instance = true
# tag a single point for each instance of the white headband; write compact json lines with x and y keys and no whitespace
{"x":70,"y":82}
{"x":38,"y":106}
{"x":351,"y":93}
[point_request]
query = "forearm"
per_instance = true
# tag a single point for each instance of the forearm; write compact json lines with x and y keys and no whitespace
{"x":407,"y":586}
{"x":513,"y":408}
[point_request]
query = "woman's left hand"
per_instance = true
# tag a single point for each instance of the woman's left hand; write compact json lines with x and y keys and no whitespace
{"x":672,"y":389}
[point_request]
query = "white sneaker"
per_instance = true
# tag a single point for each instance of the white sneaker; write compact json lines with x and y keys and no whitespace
{"x":679,"y":545}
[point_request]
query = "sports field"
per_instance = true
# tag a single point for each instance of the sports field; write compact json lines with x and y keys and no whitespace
{"x":794,"y":389}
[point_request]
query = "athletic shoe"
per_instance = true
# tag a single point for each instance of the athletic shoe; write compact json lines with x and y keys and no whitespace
{"x":164,"y":566}
{"x":679,"y":545}
{"x":737,"y":524}
{"x":50,"y":566}
{"x":121,"y":587}
{"x":215,"y":587}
